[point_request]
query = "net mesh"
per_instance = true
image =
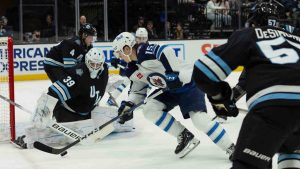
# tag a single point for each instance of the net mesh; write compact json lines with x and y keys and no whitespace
{"x":4,"y":91}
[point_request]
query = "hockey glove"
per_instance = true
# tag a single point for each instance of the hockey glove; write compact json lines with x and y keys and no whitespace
{"x":114,"y":62}
{"x":173,"y":81}
{"x":225,"y":104}
{"x":43,"y":112}
{"x":124,"y":112}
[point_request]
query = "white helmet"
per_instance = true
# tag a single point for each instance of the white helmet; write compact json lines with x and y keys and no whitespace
{"x":141,"y":32}
{"x":94,"y":60}
{"x":122,"y":40}
{"x":141,"y":35}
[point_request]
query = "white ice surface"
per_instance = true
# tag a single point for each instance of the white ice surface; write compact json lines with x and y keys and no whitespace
{"x":146,"y":148}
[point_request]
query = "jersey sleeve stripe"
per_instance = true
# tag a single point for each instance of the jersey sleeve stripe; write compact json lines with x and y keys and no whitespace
{"x":160,"y":51}
{"x":70,"y":59}
{"x":206,"y":71}
{"x":288,"y":89}
{"x":70,"y":62}
{"x":59,"y":91}
{"x":52,"y":62}
{"x":65,"y":89}
{"x":288,"y":156}
{"x":220,"y":62}
{"x":274,"y":96}
{"x":61,"y":98}
{"x":214,"y":67}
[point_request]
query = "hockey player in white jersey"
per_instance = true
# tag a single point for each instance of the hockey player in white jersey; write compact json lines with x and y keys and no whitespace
{"x":144,"y":60}
{"x":141,"y":36}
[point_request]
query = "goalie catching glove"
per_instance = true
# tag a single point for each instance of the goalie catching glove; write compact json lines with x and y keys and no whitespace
{"x":224,"y":103}
{"x":124,"y":112}
{"x":44,"y":110}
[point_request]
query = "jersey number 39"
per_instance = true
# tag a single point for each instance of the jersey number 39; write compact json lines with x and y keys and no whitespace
{"x":68,"y":81}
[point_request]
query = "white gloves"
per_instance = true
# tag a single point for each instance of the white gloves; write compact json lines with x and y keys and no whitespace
{"x":44,"y":111}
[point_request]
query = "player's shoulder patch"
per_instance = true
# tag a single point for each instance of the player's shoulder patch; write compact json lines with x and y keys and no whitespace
{"x":79,"y":72}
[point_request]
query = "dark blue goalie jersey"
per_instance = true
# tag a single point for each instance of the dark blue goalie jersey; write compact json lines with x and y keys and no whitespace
{"x":77,"y":92}
{"x":271,"y":58}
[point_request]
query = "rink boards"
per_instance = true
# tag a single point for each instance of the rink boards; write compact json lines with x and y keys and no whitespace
{"x":28,"y":59}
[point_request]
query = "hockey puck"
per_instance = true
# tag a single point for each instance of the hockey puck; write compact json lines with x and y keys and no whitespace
{"x":63,"y":153}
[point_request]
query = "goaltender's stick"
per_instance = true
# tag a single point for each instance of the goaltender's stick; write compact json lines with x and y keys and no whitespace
{"x":53,"y":125}
{"x":62,"y":151}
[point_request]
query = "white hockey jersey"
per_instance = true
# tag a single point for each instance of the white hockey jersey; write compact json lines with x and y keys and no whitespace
{"x":153,"y":58}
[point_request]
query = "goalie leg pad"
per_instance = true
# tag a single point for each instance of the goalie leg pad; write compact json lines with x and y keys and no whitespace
{"x":50,"y":137}
{"x":154,"y":112}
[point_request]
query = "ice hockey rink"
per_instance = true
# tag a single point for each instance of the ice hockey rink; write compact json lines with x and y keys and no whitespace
{"x":145,"y":148}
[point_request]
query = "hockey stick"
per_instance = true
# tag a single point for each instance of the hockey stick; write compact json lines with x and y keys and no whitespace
{"x":62,"y":151}
{"x":244,"y":110}
{"x":54,"y":126}
{"x":113,"y":99}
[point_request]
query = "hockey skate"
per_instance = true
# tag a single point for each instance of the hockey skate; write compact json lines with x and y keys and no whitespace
{"x":186,"y":143}
{"x":20,"y":143}
{"x":230,"y":151}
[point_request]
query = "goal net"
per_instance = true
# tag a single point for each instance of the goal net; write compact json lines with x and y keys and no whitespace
{"x":7,"y":111}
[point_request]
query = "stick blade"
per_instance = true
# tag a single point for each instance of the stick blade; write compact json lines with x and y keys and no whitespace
{"x":43,"y":147}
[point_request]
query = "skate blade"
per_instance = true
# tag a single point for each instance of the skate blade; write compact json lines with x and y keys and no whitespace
{"x":190,"y":147}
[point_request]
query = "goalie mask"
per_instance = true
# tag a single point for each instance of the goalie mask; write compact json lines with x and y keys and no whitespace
{"x":94,"y":61}
{"x":122,"y":40}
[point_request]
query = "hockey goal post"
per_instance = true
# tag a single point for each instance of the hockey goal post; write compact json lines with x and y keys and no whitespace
{"x":7,"y":111}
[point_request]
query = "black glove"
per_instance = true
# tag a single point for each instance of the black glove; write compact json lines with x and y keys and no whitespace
{"x":114,"y":62}
{"x":124,"y":112}
{"x":225,"y":105}
{"x":173,"y":81}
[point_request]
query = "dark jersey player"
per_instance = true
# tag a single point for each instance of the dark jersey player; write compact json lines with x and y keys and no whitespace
{"x":271,"y":58}
{"x":69,"y":52}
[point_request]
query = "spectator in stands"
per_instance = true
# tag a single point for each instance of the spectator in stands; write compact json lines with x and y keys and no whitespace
{"x":141,"y":23}
{"x":235,"y":6}
{"x":5,"y":30}
{"x":48,"y":30}
{"x":151,"y":31}
{"x":27,"y":37}
{"x":226,"y":18}
{"x":170,"y":34}
{"x":36,"y":36}
{"x":82,"y":20}
{"x":213,"y":14}
{"x":179,"y":31}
